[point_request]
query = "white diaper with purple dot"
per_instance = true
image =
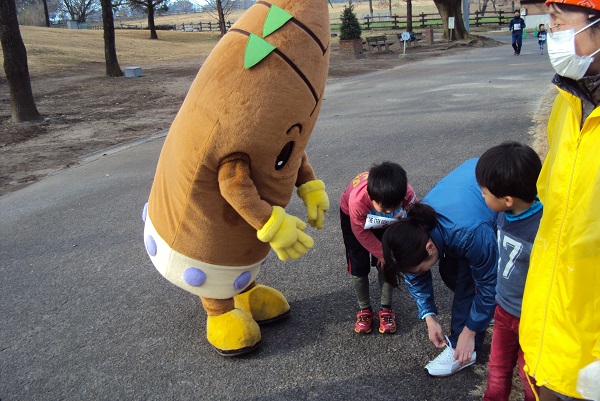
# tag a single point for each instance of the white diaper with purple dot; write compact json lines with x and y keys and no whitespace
{"x":199,"y":278}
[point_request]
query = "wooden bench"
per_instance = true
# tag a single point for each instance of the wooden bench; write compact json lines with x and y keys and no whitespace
{"x":414,"y":40}
{"x":129,"y":26}
{"x":379,"y":42}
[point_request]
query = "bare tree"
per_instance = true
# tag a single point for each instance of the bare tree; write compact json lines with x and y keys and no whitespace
{"x":483,"y":8}
{"x":220,"y":10}
{"x":386,"y":3}
{"x":409,"y":24}
{"x":183,"y":6}
{"x":110,"y":48}
{"x":149,"y":7}
{"x":22,"y":105}
{"x":37,"y":12}
{"x":46,"y":13}
{"x":452,"y":8}
{"x":79,"y":9}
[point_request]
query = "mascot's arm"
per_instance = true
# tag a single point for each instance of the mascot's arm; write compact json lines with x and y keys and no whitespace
{"x":283,"y":232}
{"x":312,"y":192}
{"x":239,"y":190}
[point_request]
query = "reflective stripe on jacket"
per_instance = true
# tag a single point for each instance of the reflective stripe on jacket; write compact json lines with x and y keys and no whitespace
{"x":560,"y":321}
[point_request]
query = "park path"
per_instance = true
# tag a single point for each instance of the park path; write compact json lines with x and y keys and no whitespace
{"x":84,"y":315}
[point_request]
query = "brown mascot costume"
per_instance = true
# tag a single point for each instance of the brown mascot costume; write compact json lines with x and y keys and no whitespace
{"x":230,"y":163}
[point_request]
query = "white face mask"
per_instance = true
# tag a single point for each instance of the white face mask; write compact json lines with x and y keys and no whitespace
{"x":564,"y":59}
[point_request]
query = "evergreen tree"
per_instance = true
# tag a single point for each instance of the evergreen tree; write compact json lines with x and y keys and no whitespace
{"x":350,"y":28}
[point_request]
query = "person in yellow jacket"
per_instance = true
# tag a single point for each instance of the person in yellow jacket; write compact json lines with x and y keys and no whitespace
{"x":560,"y":323}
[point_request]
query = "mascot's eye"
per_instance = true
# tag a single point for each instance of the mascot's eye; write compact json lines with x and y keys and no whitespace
{"x":284,"y":155}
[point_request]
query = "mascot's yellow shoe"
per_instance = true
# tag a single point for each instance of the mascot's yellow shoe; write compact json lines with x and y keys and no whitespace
{"x":265,"y":304}
{"x":233,"y":333}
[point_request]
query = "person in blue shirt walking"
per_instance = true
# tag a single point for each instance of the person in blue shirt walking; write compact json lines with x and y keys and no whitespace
{"x":454,"y":226}
{"x":516,"y":26}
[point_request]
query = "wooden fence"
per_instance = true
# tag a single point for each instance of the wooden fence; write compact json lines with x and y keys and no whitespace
{"x":376,"y":22}
{"x":184,"y":27}
{"x":423,"y":20}
{"x":202,"y":26}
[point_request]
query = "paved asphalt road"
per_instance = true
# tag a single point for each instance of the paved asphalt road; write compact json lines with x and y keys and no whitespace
{"x":85,"y":316}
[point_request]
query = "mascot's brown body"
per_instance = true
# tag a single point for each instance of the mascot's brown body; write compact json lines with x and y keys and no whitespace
{"x":230,"y":163}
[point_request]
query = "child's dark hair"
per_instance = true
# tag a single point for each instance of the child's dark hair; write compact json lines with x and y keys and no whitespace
{"x":509,"y":169}
{"x":540,"y":25}
{"x":404,"y":242}
{"x":386,"y":184}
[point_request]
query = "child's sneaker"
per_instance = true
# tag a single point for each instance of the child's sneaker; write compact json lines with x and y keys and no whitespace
{"x":387,"y":321}
{"x":364,"y":321}
{"x":445,"y":364}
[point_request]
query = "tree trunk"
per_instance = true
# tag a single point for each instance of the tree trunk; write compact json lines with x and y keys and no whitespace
{"x":110,"y":49}
{"x":371,"y":7}
{"x":22,"y":105}
{"x":151,"y":26}
{"x":409,"y":25}
{"x":452,"y":8}
{"x":46,"y":13}
{"x":221,"y":15}
{"x":390,"y":7}
{"x":484,"y":7}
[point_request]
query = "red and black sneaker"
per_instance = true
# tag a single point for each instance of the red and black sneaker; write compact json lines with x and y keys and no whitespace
{"x":387,"y":321}
{"x":364,"y":321}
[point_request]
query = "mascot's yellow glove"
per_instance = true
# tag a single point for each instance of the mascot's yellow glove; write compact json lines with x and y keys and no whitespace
{"x":316,"y":201}
{"x":285,"y":234}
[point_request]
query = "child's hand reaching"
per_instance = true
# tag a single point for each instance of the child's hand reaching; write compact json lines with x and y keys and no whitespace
{"x":436,"y":334}
{"x":465,"y":346}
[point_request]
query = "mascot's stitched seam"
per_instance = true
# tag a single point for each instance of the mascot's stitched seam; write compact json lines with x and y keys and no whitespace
{"x":290,"y":63}
{"x":188,"y":193}
{"x":300,"y":73}
{"x":301,"y":26}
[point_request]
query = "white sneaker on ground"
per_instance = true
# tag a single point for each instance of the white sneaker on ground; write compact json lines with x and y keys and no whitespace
{"x":445,"y":364}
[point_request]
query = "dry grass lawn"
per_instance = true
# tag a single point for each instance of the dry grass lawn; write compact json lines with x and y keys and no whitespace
{"x":52,"y":50}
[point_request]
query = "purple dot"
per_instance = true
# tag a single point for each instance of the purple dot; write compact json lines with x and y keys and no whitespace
{"x":145,"y":212}
{"x":194,"y":277}
{"x":150,"y":245}
{"x":242,"y":281}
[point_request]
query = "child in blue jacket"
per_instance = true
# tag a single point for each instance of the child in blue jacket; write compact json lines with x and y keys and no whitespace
{"x":454,"y":226}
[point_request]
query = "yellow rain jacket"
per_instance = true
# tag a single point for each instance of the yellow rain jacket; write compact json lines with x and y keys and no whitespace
{"x":560,"y":321}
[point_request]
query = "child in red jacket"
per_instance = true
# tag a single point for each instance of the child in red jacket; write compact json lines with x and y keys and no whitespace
{"x":371,"y":202}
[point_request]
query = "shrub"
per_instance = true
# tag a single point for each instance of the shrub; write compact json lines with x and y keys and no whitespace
{"x":165,"y":27}
{"x":349,"y":28}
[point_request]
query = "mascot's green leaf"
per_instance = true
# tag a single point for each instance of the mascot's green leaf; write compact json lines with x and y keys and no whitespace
{"x":256,"y":50}
{"x":276,"y":18}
